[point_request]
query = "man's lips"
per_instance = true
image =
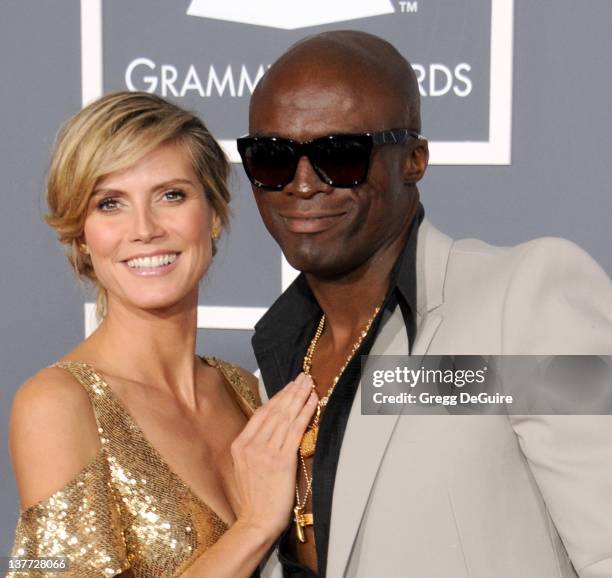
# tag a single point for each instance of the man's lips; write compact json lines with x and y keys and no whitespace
{"x":310,"y":222}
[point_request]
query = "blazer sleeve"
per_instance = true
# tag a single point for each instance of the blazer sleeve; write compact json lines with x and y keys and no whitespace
{"x":560,"y":303}
{"x":79,"y":523}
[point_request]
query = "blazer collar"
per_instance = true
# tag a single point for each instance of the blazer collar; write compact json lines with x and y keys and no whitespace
{"x":433,"y":251}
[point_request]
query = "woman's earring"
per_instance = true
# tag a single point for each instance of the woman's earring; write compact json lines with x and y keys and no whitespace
{"x":215,"y":233}
{"x":84,"y":248}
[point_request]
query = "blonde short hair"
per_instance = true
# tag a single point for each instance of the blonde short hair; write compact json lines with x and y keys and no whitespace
{"x":111,"y":134}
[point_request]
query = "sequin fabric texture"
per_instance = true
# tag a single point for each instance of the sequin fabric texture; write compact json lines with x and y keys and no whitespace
{"x":126,"y":511}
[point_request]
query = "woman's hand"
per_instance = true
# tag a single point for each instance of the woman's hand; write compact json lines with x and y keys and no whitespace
{"x":265,"y":457}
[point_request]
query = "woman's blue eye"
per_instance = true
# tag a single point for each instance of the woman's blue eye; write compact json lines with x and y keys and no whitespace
{"x":107,"y":204}
{"x":174,"y":195}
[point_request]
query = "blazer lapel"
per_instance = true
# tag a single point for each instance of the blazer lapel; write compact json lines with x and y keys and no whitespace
{"x":366,"y":436}
{"x":425,"y":333}
{"x":363,"y":446}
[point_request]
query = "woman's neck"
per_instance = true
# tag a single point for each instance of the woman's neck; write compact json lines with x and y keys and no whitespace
{"x":148,"y":346}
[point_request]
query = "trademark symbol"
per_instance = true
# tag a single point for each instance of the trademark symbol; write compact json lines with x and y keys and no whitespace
{"x":408,"y":7}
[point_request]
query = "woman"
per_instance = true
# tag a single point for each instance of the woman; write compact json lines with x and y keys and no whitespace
{"x":132,"y":455}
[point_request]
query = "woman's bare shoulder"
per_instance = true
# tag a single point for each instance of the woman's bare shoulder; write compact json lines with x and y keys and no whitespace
{"x":52,"y":433}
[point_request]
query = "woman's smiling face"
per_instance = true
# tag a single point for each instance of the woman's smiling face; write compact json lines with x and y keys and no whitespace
{"x":148,"y":231}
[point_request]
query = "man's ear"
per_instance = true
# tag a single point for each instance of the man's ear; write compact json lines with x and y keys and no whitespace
{"x":416,"y":161}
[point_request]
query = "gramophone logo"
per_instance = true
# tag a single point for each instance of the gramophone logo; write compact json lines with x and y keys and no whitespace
{"x":289,"y":15}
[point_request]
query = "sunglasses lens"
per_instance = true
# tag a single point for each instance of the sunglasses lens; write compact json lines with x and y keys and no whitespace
{"x":343,"y":160}
{"x":340,"y":160}
{"x":270,"y":163}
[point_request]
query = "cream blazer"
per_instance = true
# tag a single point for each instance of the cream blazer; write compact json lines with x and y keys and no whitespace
{"x":439,"y":496}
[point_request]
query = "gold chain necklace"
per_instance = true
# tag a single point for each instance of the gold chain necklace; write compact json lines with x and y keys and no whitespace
{"x":309,"y":440}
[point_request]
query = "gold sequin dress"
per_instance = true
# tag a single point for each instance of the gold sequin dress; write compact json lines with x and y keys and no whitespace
{"x":126,"y":511}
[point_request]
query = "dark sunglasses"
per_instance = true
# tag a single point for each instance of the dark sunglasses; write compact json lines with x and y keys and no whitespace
{"x":340,"y":160}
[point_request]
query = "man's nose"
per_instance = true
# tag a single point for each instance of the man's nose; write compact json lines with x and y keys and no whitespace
{"x":306,"y":182}
{"x":145,"y":225}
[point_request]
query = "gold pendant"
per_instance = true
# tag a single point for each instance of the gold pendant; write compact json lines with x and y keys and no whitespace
{"x":299,"y":528}
{"x":301,"y":521}
{"x":309,"y":442}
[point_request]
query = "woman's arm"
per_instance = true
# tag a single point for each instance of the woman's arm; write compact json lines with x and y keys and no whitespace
{"x":265,"y":465}
{"x":63,"y":479}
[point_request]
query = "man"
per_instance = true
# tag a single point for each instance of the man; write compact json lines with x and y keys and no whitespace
{"x":430,"y":496}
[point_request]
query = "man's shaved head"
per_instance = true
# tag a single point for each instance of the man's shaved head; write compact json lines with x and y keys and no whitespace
{"x":353,"y":57}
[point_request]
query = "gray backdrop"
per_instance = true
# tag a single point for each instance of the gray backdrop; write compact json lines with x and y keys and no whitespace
{"x":557,"y":184}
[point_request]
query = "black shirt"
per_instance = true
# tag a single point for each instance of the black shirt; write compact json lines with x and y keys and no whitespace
{"x":280,"y":342}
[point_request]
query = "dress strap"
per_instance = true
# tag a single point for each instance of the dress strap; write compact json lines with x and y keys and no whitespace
{"x":114,"y":423}
{"x":84,"y":374}
{"x":240,"y":388}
